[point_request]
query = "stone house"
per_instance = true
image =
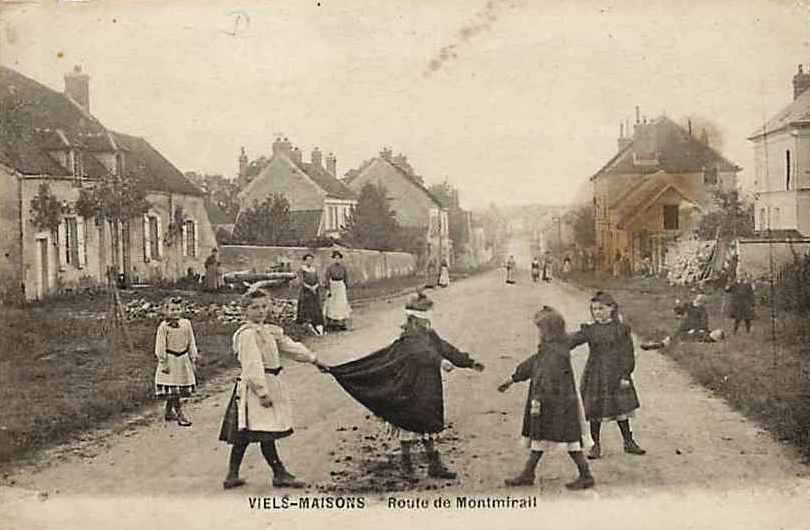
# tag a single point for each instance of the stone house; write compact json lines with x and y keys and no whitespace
{"x":654,"y":191}
{"x":320,"y":204}
{"x":51,"y":138}
{"x":415,"y":207}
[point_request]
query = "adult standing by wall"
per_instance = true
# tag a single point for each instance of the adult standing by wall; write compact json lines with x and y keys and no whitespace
{"x":212,"y":264}
{"x":337,"y":307}
{"x":310,"y":312}
{"x":742,"y":302}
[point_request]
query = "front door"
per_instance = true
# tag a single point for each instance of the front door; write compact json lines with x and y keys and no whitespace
{"x":44,"y":273}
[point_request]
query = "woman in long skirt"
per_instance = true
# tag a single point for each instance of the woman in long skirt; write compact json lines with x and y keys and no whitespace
{"x":259,"y":410}
{"x":310,"y":311}
{"x":337,"y":307}
{"x":444,"y":274}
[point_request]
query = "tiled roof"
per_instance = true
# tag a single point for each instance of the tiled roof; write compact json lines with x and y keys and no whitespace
{"x":797,"y":111}
{"x":327,"y":182}
{"x":155,"y":172}
{"x":677,"y":150}
{"x":45,"y":120}
{"x":353,"y":174}
{"x":305,"y":224}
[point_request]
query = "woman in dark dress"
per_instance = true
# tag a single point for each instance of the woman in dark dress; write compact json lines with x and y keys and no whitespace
{"x":608,"y":392}
{"x":553,"y":414}
{"x":310,"y":312}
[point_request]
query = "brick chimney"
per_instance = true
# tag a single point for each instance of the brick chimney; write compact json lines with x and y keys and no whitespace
{"x":386,"y":153}
{"x":331,"y":164}
{"x":243,"y":163}
{"x":317,"y":157}
{"x":296,"y":156}
{"x":801,"y":82}
{"x":77,"y":87}
{"x":624,"y":140}
{"x":282,"y":147}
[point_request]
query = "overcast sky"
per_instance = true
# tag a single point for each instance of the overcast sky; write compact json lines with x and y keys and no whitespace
{"x":513,"y":101}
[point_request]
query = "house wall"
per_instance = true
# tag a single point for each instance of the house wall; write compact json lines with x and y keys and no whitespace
{"x":174,"y":262}
{"x":776,"y":210}
{"x":363,"y":265}
{"x":282,"y":176}
{"x":410,"y":203}
{"x":10,"y":244}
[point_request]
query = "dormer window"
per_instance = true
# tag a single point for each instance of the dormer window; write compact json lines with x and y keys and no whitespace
{"x":76,"y":165}
{"x":710,"y":176}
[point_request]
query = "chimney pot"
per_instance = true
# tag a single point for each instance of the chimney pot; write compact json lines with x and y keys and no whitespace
{"x":77,"y":87}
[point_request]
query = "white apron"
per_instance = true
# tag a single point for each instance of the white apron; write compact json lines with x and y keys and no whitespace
{"x":337,"y":303}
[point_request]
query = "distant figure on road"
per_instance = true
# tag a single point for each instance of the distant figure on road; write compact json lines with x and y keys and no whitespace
{"x":553,"y":415}
{"x":742,"y":302}
{"x":566,"y":268}
{"x":212,"y":272}
{"x":259,"y":410}
{"x":310,"y":312}
{"x":608,"y":392}
{"x":535,"y":269}
{"x":444,"y":274}
{"x":546,"y":267}
{"x":337,"y":307}
{"x":510,"y":269}
{"x":176,"y":351}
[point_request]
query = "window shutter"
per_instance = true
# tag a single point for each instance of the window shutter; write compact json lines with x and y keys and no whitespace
{"x":184,"y":239}
{"x":81,"y":244}
{"x":196,"y":238}
{"x":147,"y":241}
{"x":159,"y":237}
{"x":62,"y":243}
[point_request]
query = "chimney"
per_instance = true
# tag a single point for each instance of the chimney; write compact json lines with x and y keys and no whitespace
{"x":386,"y":153}
{"x":689,"y":123}
{"x":623,"y":141}
{"x":77,"y":87}
{"x":243,"y":163}
{"x":282,"y":147}
{"x":638,"y":120}
{"x":296,"y":156}
{"x":316,"y":157}
{"x":331,"y":164}
{"x":801,"y":82}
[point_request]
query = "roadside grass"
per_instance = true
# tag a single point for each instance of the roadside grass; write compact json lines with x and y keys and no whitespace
{"x":768,"y":381}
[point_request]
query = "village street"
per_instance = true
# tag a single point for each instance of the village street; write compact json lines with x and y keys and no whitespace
{"x":705,"y":463}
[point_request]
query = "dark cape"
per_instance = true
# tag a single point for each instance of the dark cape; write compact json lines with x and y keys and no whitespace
{"x":402,"y":383}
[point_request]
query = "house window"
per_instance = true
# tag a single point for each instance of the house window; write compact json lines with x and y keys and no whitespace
{"x":775,"y":218}
{"x":152,"y":244}
{"x":763,"y":219}
{"x":190,"y":242}
{"x":787,"y":169}
{"x":154,"y":236}
{"x":670,"y":217}
{"x":710,"y":176}
{"x":71,"y":249}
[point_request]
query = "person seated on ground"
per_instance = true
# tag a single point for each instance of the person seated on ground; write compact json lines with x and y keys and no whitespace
{"x":694,"y":325}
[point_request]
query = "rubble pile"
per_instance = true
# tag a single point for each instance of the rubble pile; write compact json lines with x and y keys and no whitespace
{"x":283,"y":311}
{"x":689,"y":261}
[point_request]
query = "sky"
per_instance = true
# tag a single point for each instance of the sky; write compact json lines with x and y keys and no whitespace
{"x":512,"y":101}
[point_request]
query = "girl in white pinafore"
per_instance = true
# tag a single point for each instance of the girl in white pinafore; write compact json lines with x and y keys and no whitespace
{"x":262,"y":406}
{"x":176,"y":351}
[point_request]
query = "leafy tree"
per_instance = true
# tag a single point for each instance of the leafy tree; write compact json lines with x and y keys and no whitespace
{"x":267,"y":223}
{"x":581,"y":220}
{"x":46,"y":209}
{"x":731,"y":218}
{"x":373,"y":223}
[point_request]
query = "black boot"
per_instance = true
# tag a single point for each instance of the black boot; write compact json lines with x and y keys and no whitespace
{"x":170,"y":415}
{"x":585,"y":479}
{"x":435,"y":467}
{"x":526,"y":477}
{"x":281,"y":477}
{"x":237,"y":453}
{"x":630,"y":445}
{"x":181,"y":418}
{"x":406,"y":463}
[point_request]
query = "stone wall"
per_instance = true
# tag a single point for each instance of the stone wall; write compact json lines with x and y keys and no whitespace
{"x":363,"y":265}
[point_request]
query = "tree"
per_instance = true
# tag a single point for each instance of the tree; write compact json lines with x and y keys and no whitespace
{"x":731,"y":217}
{"x":373,"y":224}
{"x":46,"y":209}
{"x":582,"y":223}
{"x":267,"y":223}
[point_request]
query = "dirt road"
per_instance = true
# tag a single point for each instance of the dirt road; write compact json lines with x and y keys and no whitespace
{"x":706,"y":466}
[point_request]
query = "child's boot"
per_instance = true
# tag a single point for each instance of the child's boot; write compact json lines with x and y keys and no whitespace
{"x":181,"y":418}
{"x":585,"y":479}
{"x":406,"y":464}
{"x":235,"y":462}
{"x":596,"y":451}
{"x":630,"y":445}
{"x":526,"y":477}
{"x":170,"y":414}
{"x":435,"y":467}
{"x":281,"y":477}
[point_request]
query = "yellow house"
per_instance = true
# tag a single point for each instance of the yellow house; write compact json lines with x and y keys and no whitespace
{"x":653,"y":192}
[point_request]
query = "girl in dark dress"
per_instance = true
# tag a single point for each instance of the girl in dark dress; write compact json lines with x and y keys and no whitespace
{"x":310,"y":311}
{"x":553,"y":415}
{"x":742,"y":302}
{"x":607,"y":386}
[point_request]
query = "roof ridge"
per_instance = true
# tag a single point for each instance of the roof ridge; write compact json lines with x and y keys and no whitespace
{"x":416,"y":182}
